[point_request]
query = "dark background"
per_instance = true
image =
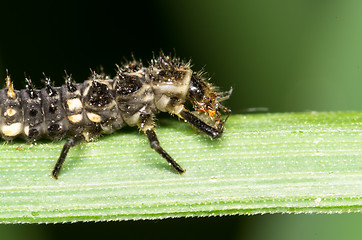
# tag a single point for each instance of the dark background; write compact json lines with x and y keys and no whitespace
{"x":284,"y":55}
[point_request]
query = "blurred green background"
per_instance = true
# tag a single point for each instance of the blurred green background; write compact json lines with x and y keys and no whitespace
{"x":284,"y":55}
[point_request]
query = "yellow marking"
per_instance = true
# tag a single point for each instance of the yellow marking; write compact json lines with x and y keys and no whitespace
{"x":9,"y":85}
{"x":177,"y":109}
{"x":211,"y":113}
{"x":94,"y":117}
{"x":134,"y":119}
{"x":76,"y":118}
{"x":86,"y":136}
{"x":12,"y":130}
{"x":74,"y":104}
{"x":163,"y":102}
{"x":26,"y":130}
{"x":10,"y":112}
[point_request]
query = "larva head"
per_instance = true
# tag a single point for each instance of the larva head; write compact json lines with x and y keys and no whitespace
{"x":175,"y":79}
{"x":206,"y":99}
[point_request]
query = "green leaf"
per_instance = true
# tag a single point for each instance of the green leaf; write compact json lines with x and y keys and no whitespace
{"x":264,"y":163}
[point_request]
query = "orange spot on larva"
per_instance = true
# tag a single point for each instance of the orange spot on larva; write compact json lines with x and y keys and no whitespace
{"x":211,"y":113}
{"x":9,"y":85}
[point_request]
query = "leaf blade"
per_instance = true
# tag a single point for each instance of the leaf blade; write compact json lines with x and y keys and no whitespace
{"x":264,"y":163}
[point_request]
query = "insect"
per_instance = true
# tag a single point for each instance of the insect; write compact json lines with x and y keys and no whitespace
{"x":82,"y":111}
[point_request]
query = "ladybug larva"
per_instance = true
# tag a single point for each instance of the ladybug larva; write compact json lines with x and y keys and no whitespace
{"x":82,"y":111}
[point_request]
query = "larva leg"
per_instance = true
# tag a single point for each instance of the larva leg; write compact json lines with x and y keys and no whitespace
{"x":155,"y":144}
{"x":68,"y":144}
{"x":201,"y":125}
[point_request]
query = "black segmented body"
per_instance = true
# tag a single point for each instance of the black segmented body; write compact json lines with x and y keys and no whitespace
{"x":103,"y":105}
